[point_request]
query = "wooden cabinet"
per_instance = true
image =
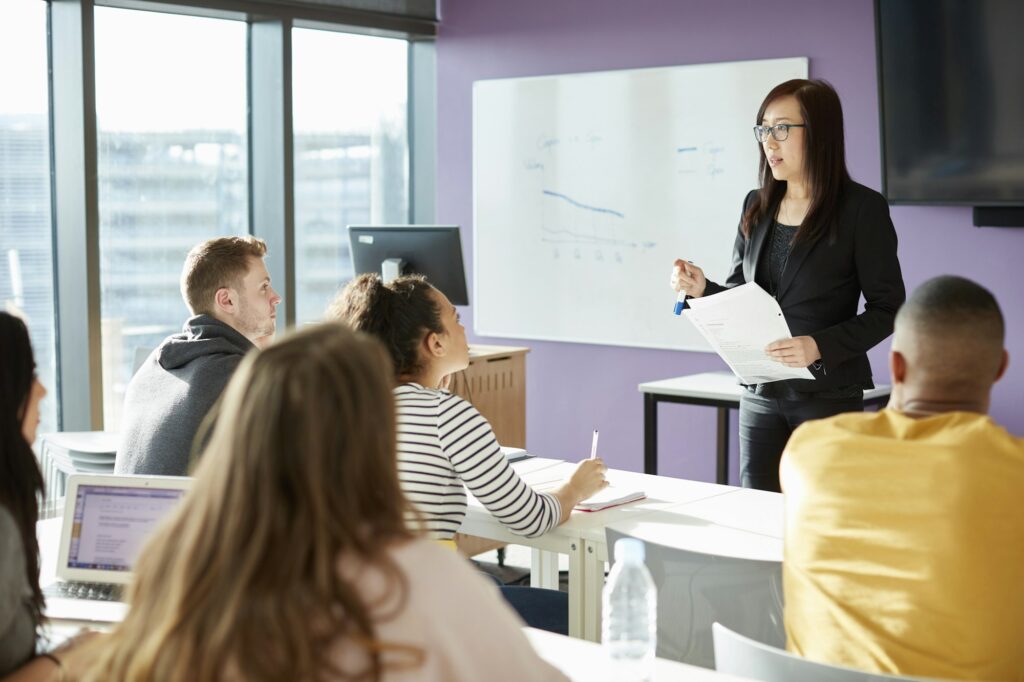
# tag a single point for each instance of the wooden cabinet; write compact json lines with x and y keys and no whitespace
{"x":495,"y":383}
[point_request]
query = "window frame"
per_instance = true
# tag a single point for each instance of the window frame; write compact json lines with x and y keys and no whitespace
{"x":74,"y":157}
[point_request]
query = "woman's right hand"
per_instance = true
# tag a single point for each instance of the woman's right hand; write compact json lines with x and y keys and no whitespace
{"x":588,"y":478}
{"x":688,"y":278}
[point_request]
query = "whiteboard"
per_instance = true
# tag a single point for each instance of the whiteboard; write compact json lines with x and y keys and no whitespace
{"x":587,"y":186}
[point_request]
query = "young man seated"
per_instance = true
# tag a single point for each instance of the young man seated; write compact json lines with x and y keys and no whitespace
{"x":226,"y":286}
{"x":904,"y":549}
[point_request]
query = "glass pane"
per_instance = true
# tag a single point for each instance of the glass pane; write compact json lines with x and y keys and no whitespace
{"x":26,"y":232}
{"x":351,"y":151}
{"x":171,"y":109}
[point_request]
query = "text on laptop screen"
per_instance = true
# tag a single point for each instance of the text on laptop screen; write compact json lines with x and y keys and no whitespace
{"x":112,"y":523}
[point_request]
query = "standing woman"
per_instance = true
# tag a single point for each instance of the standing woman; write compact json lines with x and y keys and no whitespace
{"x":816,"y":241}
{"x":21,"y":487}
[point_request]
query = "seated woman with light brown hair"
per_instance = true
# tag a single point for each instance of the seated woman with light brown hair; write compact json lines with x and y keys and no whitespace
{"x":290,"y":558}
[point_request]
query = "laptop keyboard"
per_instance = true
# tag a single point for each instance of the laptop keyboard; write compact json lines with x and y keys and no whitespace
{"x":81,"y":590}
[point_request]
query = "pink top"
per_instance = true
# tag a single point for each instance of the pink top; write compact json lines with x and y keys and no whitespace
{"x":453,"y":615}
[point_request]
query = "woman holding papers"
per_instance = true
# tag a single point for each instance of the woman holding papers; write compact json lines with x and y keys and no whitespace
{"x":290,"y":558}
{"x":21,"y":487}
{"x":816,"y":241}
{"x":443,"y":441}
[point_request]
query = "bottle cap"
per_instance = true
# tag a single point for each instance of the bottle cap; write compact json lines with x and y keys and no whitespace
{"x":629,"y":549}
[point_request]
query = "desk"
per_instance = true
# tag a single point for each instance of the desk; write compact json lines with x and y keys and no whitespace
{"x":711,"y":389}
{"x":586,"y":662}
{"x":582,"y":536}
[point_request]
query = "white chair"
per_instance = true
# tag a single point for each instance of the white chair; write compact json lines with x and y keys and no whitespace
{"x":697,"y":589}
{"x":70,"y":452}
{"x":744,"y":657}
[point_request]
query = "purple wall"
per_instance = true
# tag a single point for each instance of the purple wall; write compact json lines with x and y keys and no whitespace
{"x":572,"y":388}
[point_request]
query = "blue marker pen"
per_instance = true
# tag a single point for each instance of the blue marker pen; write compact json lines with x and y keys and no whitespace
{"x":681,"y":298}
{"x":680,"y":303}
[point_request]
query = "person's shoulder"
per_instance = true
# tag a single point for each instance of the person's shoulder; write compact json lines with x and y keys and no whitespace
{"x":857,"y":196}
{"x":12,"y":552}
{"x":992,"y":431}
{"x":812,"y":433}
{"x":448,"y":574}
{"x":8,"y":527}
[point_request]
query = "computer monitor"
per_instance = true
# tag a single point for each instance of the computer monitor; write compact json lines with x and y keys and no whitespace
{"x":433,"y":251}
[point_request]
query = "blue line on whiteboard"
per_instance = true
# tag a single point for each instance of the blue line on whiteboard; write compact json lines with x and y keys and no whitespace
{"x":585,"y":239}
{"x":595,"y":209}
{"x":686,"y":149}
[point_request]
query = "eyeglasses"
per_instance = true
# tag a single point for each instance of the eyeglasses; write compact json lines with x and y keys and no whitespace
{"x":780,"y":132}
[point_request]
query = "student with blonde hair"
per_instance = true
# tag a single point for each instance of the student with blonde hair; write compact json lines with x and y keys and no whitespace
{"x":290,"y":558}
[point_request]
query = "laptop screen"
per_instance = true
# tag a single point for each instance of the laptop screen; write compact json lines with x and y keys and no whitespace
{"x":111,"y":524}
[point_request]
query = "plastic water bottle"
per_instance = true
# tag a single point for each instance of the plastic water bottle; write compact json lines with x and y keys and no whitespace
{"x":629,"y":629}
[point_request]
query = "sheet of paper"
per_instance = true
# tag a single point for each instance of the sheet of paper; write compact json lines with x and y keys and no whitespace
{"x":738,"y":324}
{"x":611,"y":496}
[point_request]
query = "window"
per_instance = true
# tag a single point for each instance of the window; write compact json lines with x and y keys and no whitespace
{"x":26,"y":232}
{"x":351,"y":151}
{"x":171,"y":112}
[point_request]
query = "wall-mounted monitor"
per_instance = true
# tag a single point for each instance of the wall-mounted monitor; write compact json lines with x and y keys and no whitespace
{"x":434,"y":251}
{"x":951,"y":91}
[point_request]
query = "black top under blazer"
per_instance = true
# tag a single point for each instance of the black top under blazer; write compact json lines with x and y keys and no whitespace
{"x":822,"y":283}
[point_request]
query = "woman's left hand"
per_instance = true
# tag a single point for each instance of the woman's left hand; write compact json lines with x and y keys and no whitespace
{"x":799,"y":351}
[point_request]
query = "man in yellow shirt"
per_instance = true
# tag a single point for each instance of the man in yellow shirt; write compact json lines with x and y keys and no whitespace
{"x":904,"y":549}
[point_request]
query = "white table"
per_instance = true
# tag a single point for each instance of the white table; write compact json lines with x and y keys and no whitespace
{"x":582,"y":537}
{"x":712,"y":389}
{"x":585,"y":661}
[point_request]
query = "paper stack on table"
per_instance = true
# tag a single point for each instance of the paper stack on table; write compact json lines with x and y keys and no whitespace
{"x":739,"y":323}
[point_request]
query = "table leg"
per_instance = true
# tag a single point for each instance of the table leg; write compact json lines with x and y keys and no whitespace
{"x":593,"y":587}
{"x":577,"y":605}
{"x":723,"y":446}
{"x":544,"y":569}
{"x":650,"y":434}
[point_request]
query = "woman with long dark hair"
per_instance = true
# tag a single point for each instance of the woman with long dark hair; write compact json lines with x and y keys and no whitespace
{"x":21,"y":489}
{"x":290,"y":558}
{"x":816,"y":241}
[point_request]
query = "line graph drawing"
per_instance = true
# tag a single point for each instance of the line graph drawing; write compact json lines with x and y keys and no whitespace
{"x":577,"y":204}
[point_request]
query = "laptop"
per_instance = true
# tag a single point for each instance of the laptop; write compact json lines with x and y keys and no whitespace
{"x":107,"y":519}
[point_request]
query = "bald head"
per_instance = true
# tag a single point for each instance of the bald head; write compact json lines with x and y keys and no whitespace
{"x":949,"y":340}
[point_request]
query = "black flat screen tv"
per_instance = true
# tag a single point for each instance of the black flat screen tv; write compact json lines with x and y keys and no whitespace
{"x":951,"y":92}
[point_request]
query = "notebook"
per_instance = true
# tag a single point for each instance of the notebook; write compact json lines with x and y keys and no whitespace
{"x":107,"y":519}
{"x":514,"y":454}
{"x":610,"y":497}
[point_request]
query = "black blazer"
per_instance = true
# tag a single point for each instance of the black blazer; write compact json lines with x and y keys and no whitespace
{"x":821,"y":286}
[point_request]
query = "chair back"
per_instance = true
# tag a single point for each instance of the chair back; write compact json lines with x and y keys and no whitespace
{"x":696,"y":590}
{"x":72,"y":452}
{"x":745,"y":657}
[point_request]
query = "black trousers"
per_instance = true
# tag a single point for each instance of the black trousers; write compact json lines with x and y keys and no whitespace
{"x":765,"y":426}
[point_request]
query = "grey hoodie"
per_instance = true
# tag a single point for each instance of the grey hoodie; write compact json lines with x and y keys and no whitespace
{"x":171,"y":394}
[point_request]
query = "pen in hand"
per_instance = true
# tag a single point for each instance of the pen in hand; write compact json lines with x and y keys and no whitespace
{"x":681,"y":296}
{"x":593,"y":446}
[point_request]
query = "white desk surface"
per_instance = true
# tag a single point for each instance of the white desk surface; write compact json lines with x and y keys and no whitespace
{"x":584,"y":661}
{"x":745,"y":524}
{"x":718,"y":386}
{"x":724,"y":519}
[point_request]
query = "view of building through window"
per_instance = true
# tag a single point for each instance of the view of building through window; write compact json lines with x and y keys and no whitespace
{"x":26,"y":228}
{"x":173,"y":167}
{"x":172,"y":170}
{"x":351,"y":151}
